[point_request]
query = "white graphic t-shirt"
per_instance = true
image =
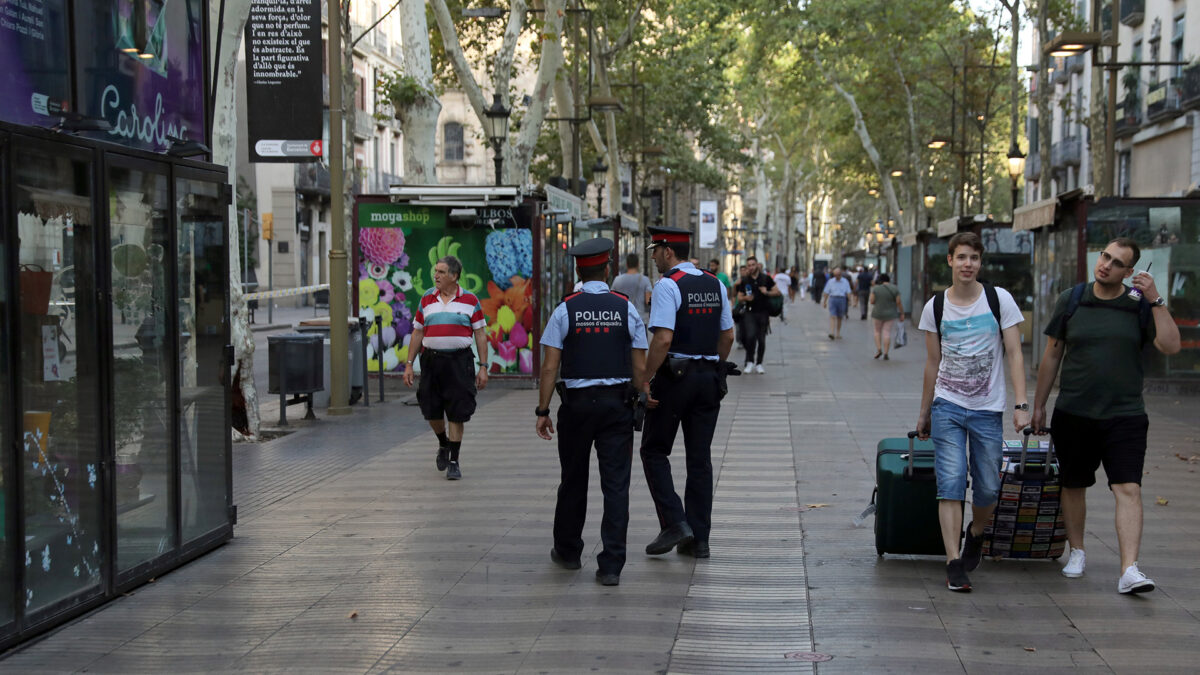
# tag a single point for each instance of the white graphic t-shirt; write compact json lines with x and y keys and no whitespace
{"x":971,"y":373}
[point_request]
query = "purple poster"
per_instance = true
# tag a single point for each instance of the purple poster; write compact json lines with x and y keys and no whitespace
{"x":35,"y":80}
{"x":140,"y":65}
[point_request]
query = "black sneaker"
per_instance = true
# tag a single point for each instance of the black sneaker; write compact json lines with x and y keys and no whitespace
{"x":443,"y":457}
{"x":972,"y":551}
{"x":452,"y":472}
{"x":956,"y":577}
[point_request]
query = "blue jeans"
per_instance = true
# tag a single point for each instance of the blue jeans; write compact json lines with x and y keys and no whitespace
{"x":952,"y":426}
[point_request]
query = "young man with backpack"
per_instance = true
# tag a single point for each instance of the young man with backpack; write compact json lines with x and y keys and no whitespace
{"x":970,"y":328}
{"x":1097,"y":333}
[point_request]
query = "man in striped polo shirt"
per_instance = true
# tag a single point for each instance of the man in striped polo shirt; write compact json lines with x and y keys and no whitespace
{"x":443,"y":328}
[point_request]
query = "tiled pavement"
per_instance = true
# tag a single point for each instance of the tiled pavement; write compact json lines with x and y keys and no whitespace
{"x":354,"y":555}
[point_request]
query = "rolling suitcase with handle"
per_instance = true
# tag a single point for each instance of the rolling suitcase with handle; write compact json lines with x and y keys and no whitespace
{"x":1028,"y":520}
{"x":905,"y":499}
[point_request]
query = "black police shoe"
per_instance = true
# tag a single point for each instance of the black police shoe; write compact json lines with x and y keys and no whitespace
{"x":562,"y":561}
{"x":608,"y":578}
{"x":696,"y":549}
{"x":679,"y":533}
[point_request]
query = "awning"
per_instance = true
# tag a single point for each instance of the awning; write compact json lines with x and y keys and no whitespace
{"x":1035,"y":215}
{"x":948,"y":227}
{"x":908,"y":239}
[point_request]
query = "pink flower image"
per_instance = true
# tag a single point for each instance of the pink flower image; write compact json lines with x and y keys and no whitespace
{"x":526,"y":358}
{"x":518,"y":336}
{"x":381,"y":245}
{"x":507,"y":352}
{"x":386,"y":292}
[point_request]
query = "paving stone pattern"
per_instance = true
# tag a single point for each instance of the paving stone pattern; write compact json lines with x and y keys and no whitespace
{"x":355,"y":555}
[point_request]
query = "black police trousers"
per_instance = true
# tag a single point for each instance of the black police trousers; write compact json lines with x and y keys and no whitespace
{"x":599,"y":416}
{"x":693,"y":403}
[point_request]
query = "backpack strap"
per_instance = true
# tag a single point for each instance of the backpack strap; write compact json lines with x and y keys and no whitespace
{"x":1144,"y":311}
{"x":939,"y":307}
{"x":993,"y":300}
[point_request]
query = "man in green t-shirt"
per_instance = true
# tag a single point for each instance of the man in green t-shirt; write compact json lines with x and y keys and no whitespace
{"x":714,"y":266}
{"x":1099,"y":417}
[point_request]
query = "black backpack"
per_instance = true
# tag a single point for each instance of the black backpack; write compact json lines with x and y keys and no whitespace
{"x":1143,"y":310}
{"x":993,"y":300}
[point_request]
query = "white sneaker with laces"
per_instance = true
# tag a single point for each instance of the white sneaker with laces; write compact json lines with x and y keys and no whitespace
{"x":759,"y":369}
{"x":749,"y":367}
{"x":1133,"y":581}
{"x":1075,"y":564}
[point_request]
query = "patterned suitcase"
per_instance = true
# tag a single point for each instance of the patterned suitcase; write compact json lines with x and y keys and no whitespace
{"x":1028,"y":520}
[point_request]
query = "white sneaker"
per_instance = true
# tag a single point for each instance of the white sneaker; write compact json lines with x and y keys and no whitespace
{"x":1075,"y":564}
{"x":749,"y":367}
{"x":759,"y":369}
{"x":1133,"y":581}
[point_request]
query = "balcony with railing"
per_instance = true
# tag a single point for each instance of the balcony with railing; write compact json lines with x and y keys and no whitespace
{"x":312,"y":178}
{"x":1133,"y":12}
{"x":1056,"y":156}
{"x":1072,"y":150}
{"x":1189,"y":90}
{"x":1075,"y":63}
{"x":1162,"y":100}
{"x":1033,"y":167}
{"x":364,"y":125}
{"x":1128,"y":118}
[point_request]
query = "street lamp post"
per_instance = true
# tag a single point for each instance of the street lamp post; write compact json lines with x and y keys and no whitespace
{"x":1016,"y":166}
{"x":930,"y":201}
{"x":599,"y":170}
{"x":497,"y":119}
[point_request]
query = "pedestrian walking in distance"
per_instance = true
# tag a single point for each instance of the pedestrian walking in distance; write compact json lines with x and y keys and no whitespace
{"x":755,"y":289}
{"x":596,"y":342}
{"x":446,"y":322}
{"x":693,"y":333}
{"x":1097,"y":333}
{"x":969,"y":330}
{"x":866,"y":279}
{"x":634,"y":285}
{"x":836,"y":296}
{"x":886,"y":308}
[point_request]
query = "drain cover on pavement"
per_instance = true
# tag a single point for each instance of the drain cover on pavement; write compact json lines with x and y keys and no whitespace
{"x":811,"y":657}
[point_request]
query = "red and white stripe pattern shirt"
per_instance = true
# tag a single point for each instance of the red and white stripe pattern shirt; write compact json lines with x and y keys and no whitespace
{"x":448,"y":325}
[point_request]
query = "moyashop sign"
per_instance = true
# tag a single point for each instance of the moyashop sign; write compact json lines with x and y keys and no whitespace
{"x":400,"y":215}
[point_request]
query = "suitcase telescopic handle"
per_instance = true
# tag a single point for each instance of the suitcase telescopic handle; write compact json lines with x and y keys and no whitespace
{"x":1028,"y":431}
{"x":911,"y":473}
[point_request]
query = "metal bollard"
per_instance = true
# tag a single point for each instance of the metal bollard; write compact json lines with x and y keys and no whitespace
{"x":362,"y":331}
{"x":283,"y":395}
{"x":379,"y":334}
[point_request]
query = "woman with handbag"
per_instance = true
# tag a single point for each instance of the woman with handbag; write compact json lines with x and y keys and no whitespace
{"x":886,"y":308}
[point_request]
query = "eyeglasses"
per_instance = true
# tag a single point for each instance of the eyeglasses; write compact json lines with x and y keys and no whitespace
{"x":1116,"y":263}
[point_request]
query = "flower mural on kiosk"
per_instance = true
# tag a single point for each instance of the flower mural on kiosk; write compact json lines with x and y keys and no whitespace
{"x":497,"y":267}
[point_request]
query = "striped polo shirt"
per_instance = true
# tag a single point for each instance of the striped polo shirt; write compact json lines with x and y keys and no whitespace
{"x":448,"y":325}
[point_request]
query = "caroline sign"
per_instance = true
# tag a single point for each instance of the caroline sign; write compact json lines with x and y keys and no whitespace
{"x":150,"y":130}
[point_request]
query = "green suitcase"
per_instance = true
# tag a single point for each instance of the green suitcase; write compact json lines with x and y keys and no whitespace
{"x":906,"y":506}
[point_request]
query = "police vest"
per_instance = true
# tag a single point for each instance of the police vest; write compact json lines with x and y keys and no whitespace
{"x":698,"y":319}
{"x":597,"y":344}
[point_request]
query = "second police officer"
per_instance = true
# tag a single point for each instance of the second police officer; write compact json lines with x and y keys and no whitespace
{"x":596,"y":340}
{"x":693,"y":333}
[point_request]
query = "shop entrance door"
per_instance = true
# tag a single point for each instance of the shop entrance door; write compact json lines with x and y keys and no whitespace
{"x":58,"y":370}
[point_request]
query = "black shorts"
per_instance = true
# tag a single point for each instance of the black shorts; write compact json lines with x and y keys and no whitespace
{"x":1083,"y":444}
{"x":447,"y":386}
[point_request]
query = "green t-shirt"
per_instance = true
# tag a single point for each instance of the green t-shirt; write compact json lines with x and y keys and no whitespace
{"x":1102,"y":368}
{"x":884,"y":308}
{"x":724,"y":279}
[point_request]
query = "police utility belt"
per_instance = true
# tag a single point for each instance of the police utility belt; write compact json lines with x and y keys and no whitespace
{"x":675,"y":368}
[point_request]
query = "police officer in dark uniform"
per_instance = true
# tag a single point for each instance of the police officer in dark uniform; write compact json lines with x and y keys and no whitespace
{"x":597,"y":340}
{"x":693,"y":333}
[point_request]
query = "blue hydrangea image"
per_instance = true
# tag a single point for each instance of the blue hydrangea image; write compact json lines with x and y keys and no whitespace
{"x":509,"y":253}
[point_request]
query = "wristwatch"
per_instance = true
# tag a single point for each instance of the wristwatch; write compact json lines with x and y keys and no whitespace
{"x":1021,"y":406}
{"x":1160,"y":302}
{"x":541,"y":412}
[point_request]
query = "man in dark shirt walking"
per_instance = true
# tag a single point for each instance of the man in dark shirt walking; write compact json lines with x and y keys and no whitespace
{"x":755,"y":289}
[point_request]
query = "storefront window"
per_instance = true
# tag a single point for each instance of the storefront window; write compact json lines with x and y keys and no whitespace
{"x":58,"y":377}
{"x":7,"y":515}
{"x":1169,"y":236}
{"x":203,"y":375}
{"x":141,"y":411}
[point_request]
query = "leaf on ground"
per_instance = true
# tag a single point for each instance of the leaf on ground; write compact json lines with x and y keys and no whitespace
{"x":1031,"y":649}
{"x":815,"y":506}
{"x":1161,"y":501}
{"x":353,"y":615}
